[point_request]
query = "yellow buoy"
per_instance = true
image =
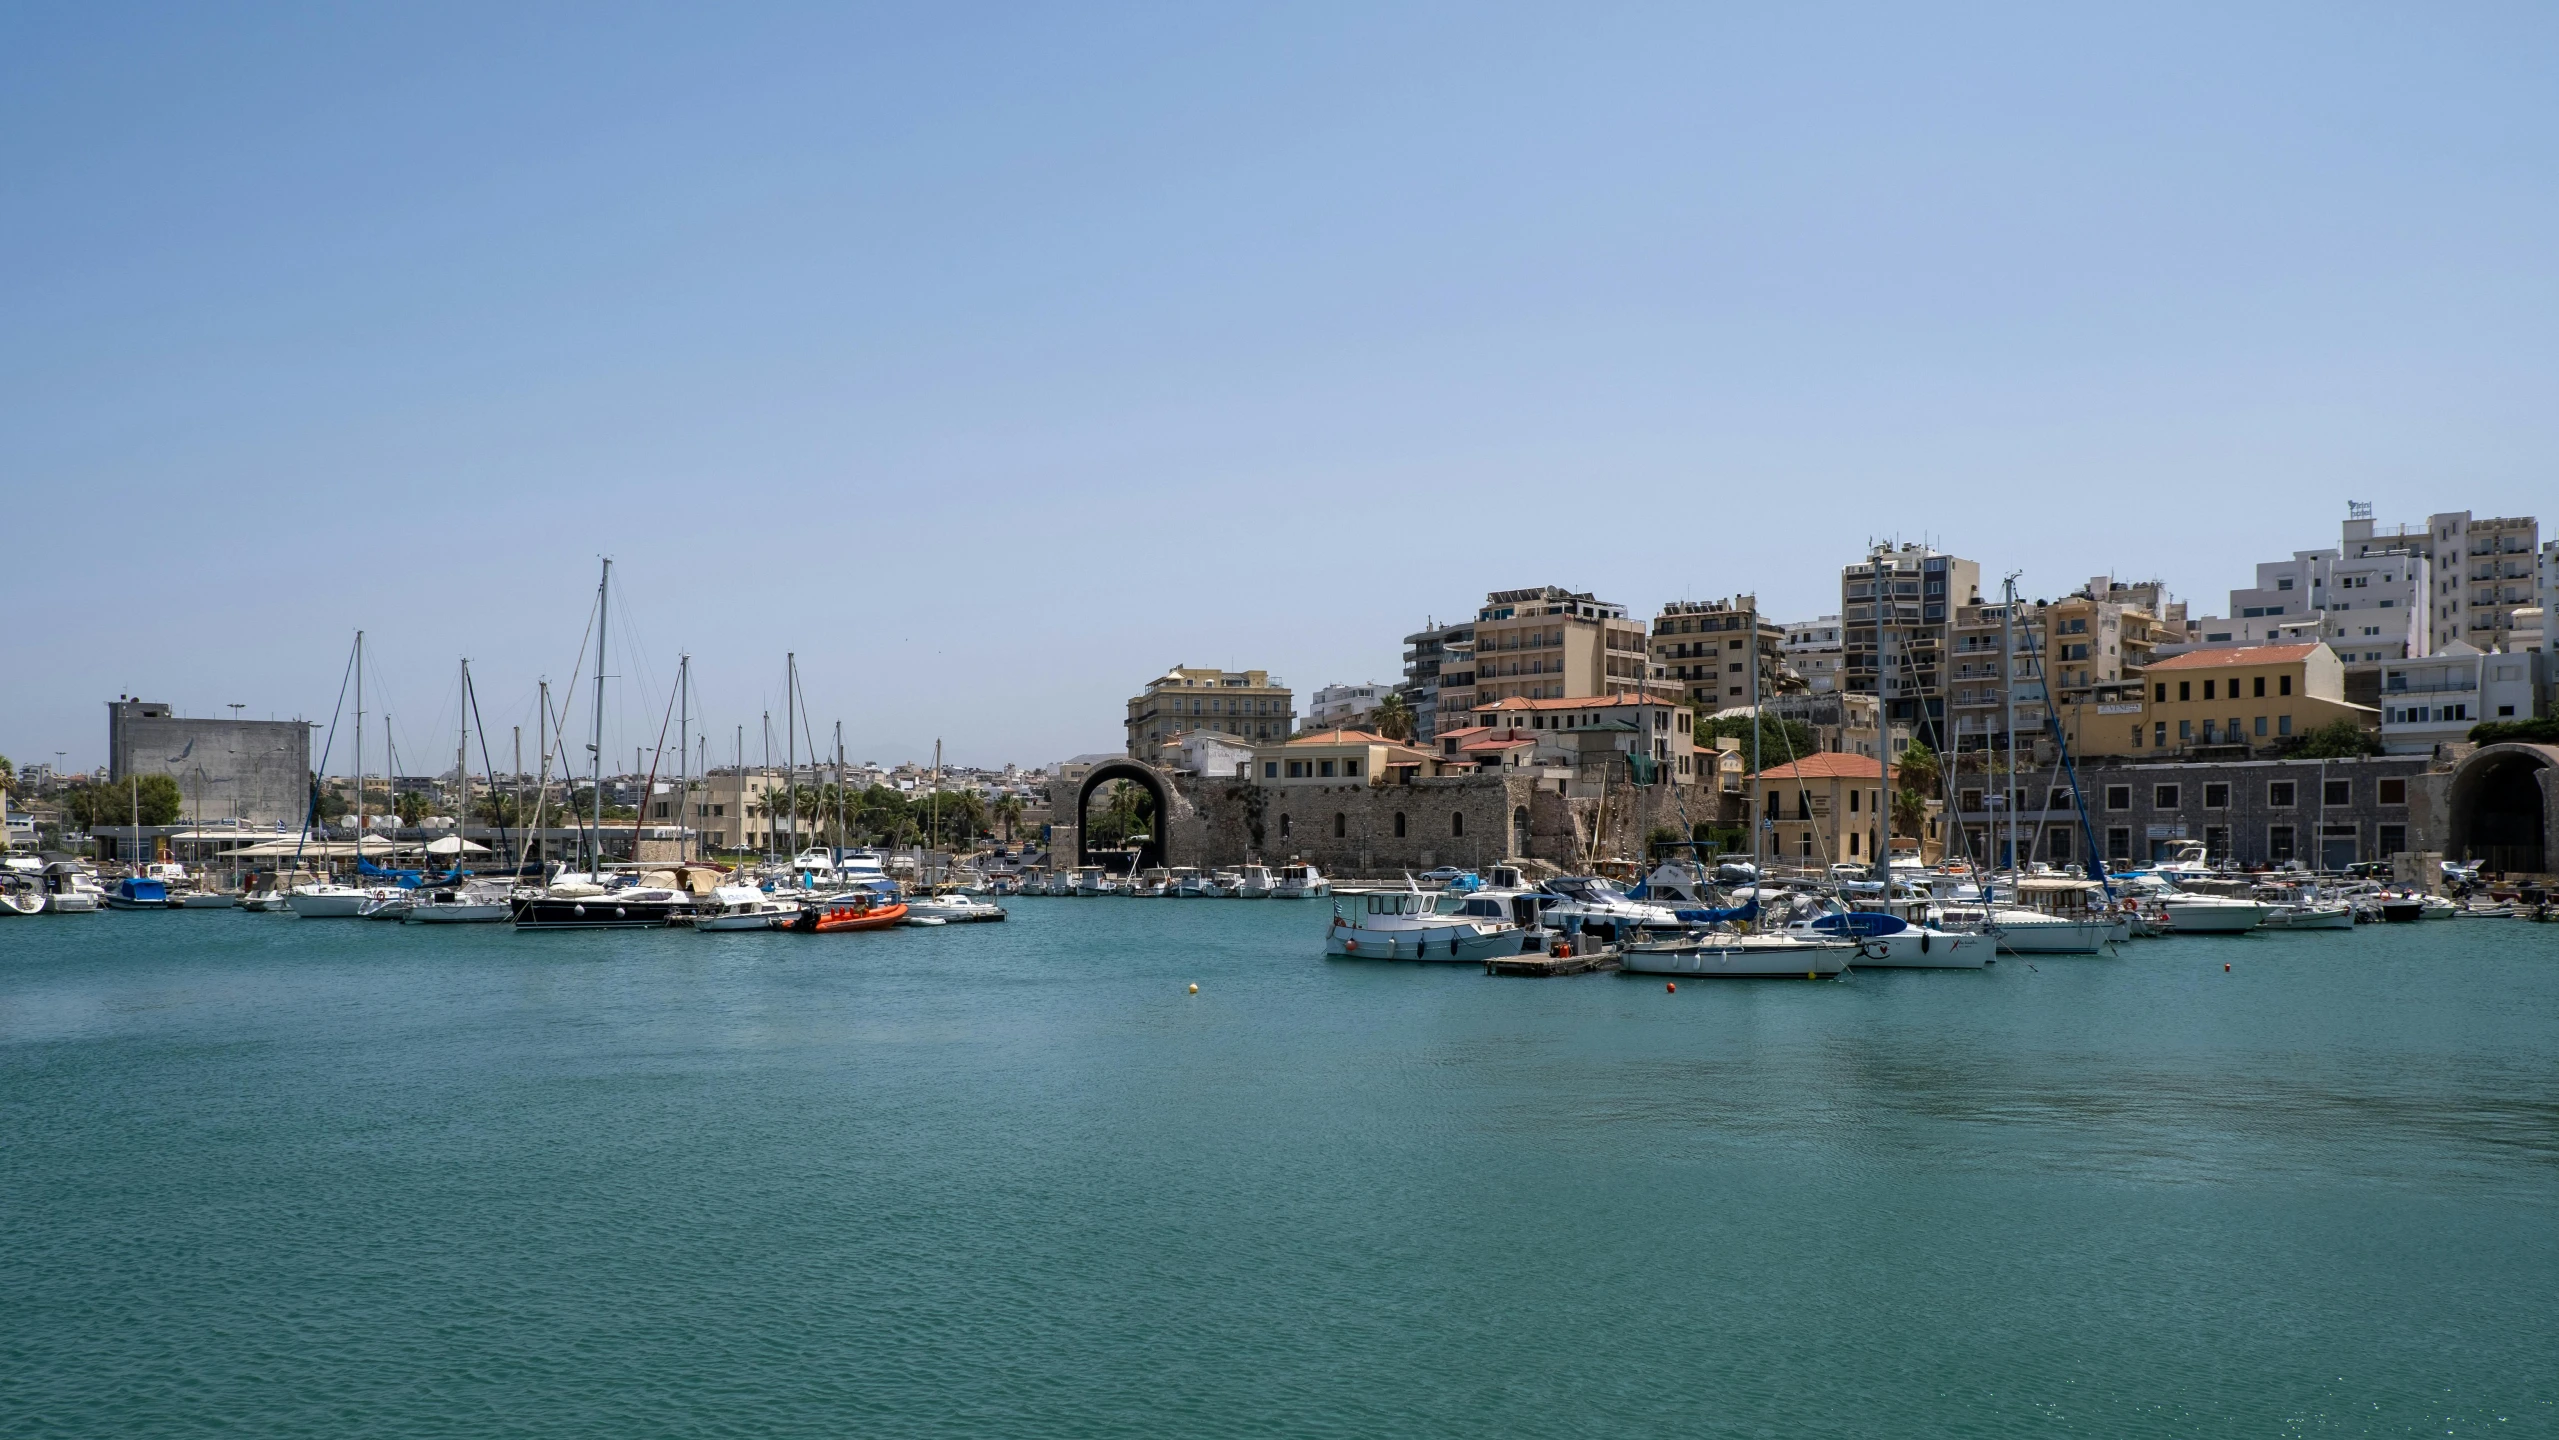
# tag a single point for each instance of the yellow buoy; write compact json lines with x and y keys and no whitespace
{"x":1195,"y":989}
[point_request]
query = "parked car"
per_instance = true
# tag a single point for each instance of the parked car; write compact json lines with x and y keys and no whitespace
{"x":1445,"y":875}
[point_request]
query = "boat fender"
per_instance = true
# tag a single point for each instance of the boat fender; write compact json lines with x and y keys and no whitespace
{"x":1923,"y":942}
{"x":1350,"y":944}
{"x":577,"y":909}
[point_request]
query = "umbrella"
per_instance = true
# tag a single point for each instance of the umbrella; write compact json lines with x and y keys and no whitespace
{"x":455,"y":845}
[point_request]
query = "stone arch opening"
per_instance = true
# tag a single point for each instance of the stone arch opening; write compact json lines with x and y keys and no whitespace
{"x":2499,"y":805}
{"x":1151,"y":851}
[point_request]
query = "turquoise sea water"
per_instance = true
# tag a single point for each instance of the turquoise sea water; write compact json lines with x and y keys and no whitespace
{"x":264,"y":1176}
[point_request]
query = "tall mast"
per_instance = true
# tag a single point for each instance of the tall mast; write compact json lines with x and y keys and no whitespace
{"x":791,"y":743}
{"x":683,"y":755}
{"x":934,"y":819}
{"x":1758,"y":833}
{"x":603,"y":604}
{"x":768,"y":787}
{"x":839,"y":786}
{"x":1885,"y":604}
{"x":462,"y":755}
{"x":360,"y":818}
{"x":2008,"y":705}
{"x":542,"y":783}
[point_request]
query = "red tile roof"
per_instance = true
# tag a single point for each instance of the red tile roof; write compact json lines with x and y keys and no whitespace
{"x":2244,"y":655}
{"x":1828,"y":765}
{"x":1341,"y":737}
{"x":1586,"y":702}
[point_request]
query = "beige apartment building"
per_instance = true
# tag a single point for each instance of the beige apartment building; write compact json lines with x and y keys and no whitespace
{"x":1248,"y":704}
{"x":727,"y":810}
{"x":1556,"y":644}
{"x":1707,"y":649}
{"x":1896,"y":641}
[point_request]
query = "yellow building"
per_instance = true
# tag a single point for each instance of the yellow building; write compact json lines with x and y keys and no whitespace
{"x":2256,"y":696}
{"x":1828,"y":809}
{"x":1341,"y":757}
{"x":1247,"y":704}
{"x":1555,"y":644}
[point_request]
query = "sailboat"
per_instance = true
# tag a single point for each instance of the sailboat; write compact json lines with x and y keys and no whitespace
{"x":327,"y":899}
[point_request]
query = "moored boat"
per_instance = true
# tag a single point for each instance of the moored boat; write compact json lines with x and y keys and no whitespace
{"x":858,"y":910}
{"x":1298,"y":880}
{"x":1412,"y":925}
{"x":1726,"y":955}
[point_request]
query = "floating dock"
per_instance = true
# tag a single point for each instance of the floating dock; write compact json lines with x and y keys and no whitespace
{"x":1543,"y":966}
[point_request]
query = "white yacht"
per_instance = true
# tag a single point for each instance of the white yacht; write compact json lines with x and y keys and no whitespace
{"x":954,"y":908}
{"x":1225,"y":885}
{"x":1094,"y":880}
{"x":1153,"y":883}
{"x":1596,"y":903}
{"x":1886,"y":941}
{"x":477,"y":902}
{"x":1255,"y":883}
{"x":328,"y":900}
{"x":1188,"y":883}
{"x":2191,"y":914}
{"x":1723,"y":954}
{"x":742,"y":907}
{"x":1300,"y":881}
{"x":1411,"y":925}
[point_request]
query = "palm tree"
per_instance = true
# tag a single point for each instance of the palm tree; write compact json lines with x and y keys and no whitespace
{"x":1008,"y":813}
{"x":1393,"y":718}
{"x":1910,"y":815}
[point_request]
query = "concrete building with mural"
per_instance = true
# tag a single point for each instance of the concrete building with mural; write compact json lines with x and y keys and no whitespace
{"x":257,"y":772}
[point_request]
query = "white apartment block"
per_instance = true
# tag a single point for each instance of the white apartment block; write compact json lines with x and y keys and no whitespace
{"x":2480,"y":570}
{"x":1814,"y":651}
{"x":1340,"y":705}
{"x":2436,"y":699}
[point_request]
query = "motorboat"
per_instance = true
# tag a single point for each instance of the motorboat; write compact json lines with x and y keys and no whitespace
{"x":1298,"y":880}
{"x":1153,"y":883}
{"x":854,"y":910}
{"x":2304,"y":913}
{"x":21,"y":887}
{"x":957,"y":908}
{"x":1224,"y":884}
{"x":1888,"y":941}
{"x":1254,"y":882}
{"x":741,"y":907}
{"x":2192,"y":914}
{"x":138,"y":892}
{"x":328,"y":900}
{"x":1411,"y":924}
{"x":580,"y":905}
{"x":1724,"y":954}
{"x":2403,"y":909}
{"x":2437,"y":908}
{"x":2494,"y":910}
{"x":1059,"y":882}
{"x":473,"y":903}
{"x":1188,"y":883}
{"x":1093,"y":880}
{"x":1592,"y":902}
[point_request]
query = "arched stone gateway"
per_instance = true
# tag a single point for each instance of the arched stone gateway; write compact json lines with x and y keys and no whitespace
{"x":1159,"y":785}
{"x":2502,"y":807}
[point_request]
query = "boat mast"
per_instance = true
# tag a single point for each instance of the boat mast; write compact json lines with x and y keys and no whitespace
{"x":603,"y":599}
{"x":1759,"y":832}
{"x":839,"y":791}
{"x":683,"y":756}
{"x":2008,"y":708}
{"x":1884,"y":603}
{"x":767,"y":797}
{"x":359,"y":743}
{"x":462,"y":758}
{"x":791,"y":743}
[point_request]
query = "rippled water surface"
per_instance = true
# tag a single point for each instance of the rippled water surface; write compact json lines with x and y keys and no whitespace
{"x":277,"y":1177}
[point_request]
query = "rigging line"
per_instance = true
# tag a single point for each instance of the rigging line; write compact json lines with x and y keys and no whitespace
{"x":311,"y":806}
{"x":488,"y":767}
{"x":648,"y":788}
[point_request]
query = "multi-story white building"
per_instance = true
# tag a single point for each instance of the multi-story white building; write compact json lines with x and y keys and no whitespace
{"x":1896,"y":642}
{"x":2435,"y":700}
{"x":2480,"y":571}
{"x":1339,"y":705}
{"x":1814,"y":651}
{"x":2371,"y":603}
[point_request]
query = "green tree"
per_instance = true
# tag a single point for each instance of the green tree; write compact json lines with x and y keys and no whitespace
{"x":498,"y":809}
{"x":1008,"y":815}
{"x":1780,"y":740}
{"x":2540,"y":730}
{"x":8,"y":776}
{"x":1910,"y":812}
{"x":958,"y":818}
{"x":1921,"y":770}
{"x":412,"y":806}
{"x":2337,"y":740}
{"x":1127,"y":809}
{"x":1393,"y":718}
{"x":114,"y":802}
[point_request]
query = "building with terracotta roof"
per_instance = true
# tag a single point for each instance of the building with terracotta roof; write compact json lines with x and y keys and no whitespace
{"x":2254,"y":697}
{"x":1341,"y":757}
{"x":1830,"y":809}
{"x":1659,"y":735}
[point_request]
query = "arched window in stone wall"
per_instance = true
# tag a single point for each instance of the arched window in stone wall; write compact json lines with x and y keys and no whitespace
{"x":1457,"y":823}
{"x":1399,"y":824}
{"x":1341,"y":825}
{"x":1284,"y":826}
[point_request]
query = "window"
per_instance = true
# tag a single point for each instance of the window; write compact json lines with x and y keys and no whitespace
{"x":2118,"y":843}
{"x":2283,"y":686}
{"x":2162,"y":696}
{"x":2278,"y":844}
{"x":1270,"y":769}
{"x":2260,"y":693}
{"x":1972,"y":799}
{"x":2392,"y":792}
{"x":2279,"y":794}
{"x":1323,"y":769}
{"x":1341,"y":824}
{"x":2059,"y":799}
{"x":2159,"y":735}
{"x":2216,"y":797}
{"x":1852,"y":800}
{"x":2057,"y":843}
{"x":2217,"y":841}
{"x":2337,"y":792}
{"x":2283,"y":724}
{"x":2185,"y":690}
{"x":2119,"y":797}
{"x":2185,"y":731}
{"x":1803,"y":805}
{"x":1350,"y":768}
{"x":2163,"y":797}
{"x":2394,"y":838}
{"x":1285,"y":828}
{"x":2207,"y":690}
{"x":1399,"y":824}
{"x":1457,"y":823}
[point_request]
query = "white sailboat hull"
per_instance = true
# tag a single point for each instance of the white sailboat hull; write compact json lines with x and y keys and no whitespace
{"x":328,"y":904}
{"x":1748,"y":960}
{"x":2185,"y":917}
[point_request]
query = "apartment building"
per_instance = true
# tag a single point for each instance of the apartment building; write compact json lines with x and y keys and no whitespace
{"x":727,"y":810}
{"x":1250,"y":704}
{"x":1897,"y":607}
{"x":1555,"y":644}
{"x":1722,"y":652}
{"x":1657,"y":733}
{"x":2479,"y":572}
{"x":2371,"y":602}
{"x":2434,"y":700}
{"x":1983,"y":688}
{"x":1439,"y":677}
{"x":1338,"y":705}
{"x":1813,"y":651}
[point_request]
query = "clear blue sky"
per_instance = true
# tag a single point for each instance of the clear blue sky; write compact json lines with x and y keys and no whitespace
{"x":996,"y":358}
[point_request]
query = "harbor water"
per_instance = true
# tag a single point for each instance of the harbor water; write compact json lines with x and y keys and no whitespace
{"x":275,"y":1177}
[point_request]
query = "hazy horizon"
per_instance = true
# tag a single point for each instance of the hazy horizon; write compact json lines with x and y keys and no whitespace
{"x":995,"y":363}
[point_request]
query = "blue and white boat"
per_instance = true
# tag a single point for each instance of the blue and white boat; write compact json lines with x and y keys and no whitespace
{"x":138,"y":892}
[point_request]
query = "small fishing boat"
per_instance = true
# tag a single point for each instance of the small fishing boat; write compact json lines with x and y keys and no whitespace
{"x":1225,"y":884}
{"x":138,"y":892}
{"x":1300,"y":881}
{"x":2494,"y":910}
{"x":955,"y":908}
{"x":389,"y":903}
{"x":1255,"y":883}
{"x":1153,"y":883}
{"x":1188,"y":883}
{"x":2402,"y":909}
